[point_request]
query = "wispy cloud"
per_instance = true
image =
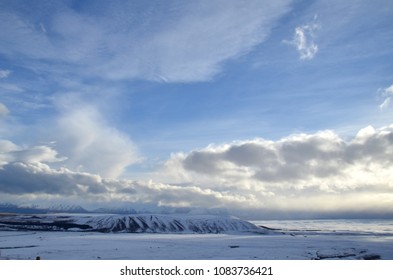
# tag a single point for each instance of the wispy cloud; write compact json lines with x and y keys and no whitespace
{"x":167,"y":44}
{"x":90,"y":144}
{"x":4,"y":73}
{"x":385,"y":103}
{"x":7,"y":87}
{"x":4,"y":111}
{"x":304,"y":40}
{"x":386,"y":94}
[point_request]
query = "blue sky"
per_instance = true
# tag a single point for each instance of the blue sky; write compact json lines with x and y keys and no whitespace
{"x":132,"y":92}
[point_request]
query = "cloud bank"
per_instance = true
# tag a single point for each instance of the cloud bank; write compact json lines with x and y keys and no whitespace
{"x":302,"y":173}
{"x":298,"y":172}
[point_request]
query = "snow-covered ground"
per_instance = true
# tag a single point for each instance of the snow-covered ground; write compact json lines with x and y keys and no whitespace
{"x":295,"y":240}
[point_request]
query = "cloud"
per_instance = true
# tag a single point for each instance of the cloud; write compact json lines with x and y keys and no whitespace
{"x":10,"y":152}
{"x":299,"y":160}
{"x":3,"y":110}
{"x":4,"y":73}
{"x":39,"y":181}
{"x":92,"y":145}
{"x":385,"y":104}
{"x":185,"y":50}
{"x":80,"y":137}
{"x":318,"y":174}
{"x":303,"y":40}
{"x":169,"y":43}
{"x":387,"y":94}
{"x":10,"y":87}
{"x":294,"y":173}
{"x":5,"y":148}
{"x":37,"y":178}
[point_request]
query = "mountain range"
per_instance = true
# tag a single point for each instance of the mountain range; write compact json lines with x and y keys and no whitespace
{"x":125,"y":209}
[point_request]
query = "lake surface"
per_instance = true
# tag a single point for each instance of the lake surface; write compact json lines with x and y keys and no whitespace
{"x":382,"y":227}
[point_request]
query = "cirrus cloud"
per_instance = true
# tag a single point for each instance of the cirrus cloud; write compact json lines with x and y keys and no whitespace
{"x":3,"y":110}
{"x":4,"y":73}
{"x":386,"y":94}
{"x":122,"y":41}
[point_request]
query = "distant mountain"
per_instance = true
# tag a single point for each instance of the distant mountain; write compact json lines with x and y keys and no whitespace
{"x":70,"y":208}
{"x":193,"y":211}
{"x":35,"y":209}
{"x":65,"y":208}
{"x":130,"y":223}
{"x":114,"y":210}
{"x":13,"y":208}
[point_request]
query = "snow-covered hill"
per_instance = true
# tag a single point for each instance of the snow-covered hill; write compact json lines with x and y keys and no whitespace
{"x":165,"y":223}
{"x":136,"y":223}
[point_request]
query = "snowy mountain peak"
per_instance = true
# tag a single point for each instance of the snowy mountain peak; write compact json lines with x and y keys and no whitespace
{"x":36,"y":209}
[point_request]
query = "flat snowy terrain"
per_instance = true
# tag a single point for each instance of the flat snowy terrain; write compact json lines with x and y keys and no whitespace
{"x":294,"y":240}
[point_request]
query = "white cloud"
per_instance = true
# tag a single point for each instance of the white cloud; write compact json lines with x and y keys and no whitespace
{"x":4,"y":73}
{"x":296,"y":172}
{"x":37,"y":154}
{"x":10,"y":152}
{"x":11,"y":87}
{"x":90,"y":144}
{"x":4,"y":111}
{"x":83,"y":139}
{"x":20,"y":37}
{"x":5,"y":148}
{"x":385,"y":104}
{"x":298,"y":160}
{"x":303,"y":40}
{"x":185,"y":50}
{"x":387,"y":94}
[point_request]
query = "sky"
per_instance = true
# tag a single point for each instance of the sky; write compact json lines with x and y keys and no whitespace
{"x":259,"y":108}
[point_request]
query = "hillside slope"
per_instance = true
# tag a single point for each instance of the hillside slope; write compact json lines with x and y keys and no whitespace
{"x":136,"y":223}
